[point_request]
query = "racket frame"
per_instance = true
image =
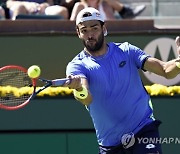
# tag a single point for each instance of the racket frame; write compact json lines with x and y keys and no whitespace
{"x":56,"y":82}
{"x":33,"y":84}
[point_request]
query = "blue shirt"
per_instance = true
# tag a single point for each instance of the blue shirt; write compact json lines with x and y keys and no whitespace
{"x":120,"y":102}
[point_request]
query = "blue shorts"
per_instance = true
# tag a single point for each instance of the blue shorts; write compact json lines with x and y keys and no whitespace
{"x":144,"y":142}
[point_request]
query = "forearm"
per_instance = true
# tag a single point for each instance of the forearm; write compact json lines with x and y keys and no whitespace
{"x":168,"y":69}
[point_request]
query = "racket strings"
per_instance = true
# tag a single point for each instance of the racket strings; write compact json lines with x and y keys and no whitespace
{"x":11,"y":80}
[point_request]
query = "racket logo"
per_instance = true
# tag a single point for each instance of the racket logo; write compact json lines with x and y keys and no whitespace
{"x":82,"y":95}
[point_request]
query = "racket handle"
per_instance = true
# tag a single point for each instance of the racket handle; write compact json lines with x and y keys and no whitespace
{"x":60,"y":82}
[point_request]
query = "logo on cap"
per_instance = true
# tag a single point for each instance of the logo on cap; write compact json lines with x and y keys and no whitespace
{"x":87,"y":14}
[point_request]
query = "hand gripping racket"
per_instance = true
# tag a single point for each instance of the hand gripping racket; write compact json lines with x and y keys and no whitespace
{"x":15,"y":84}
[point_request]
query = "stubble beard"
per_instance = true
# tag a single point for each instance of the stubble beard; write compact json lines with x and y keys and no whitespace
{"x":97,"y":46}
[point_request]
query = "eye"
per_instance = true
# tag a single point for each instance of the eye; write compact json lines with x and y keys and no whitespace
{"x":95,"y":28}
{"x":83,"y":31}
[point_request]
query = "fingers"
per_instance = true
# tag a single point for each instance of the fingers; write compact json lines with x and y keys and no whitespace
{"x":177,"y":41}
{"x":74,"y":82}
{"x":178,"y":45}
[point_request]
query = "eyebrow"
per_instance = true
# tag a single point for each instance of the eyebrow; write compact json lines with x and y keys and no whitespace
{"x":90,"y":26}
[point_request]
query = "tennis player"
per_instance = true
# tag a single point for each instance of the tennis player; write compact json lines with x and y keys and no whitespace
{"x":105,"y":79}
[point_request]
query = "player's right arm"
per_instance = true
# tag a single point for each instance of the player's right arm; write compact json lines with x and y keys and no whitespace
{"x":80,"y":85}
{"x":168,"y":69}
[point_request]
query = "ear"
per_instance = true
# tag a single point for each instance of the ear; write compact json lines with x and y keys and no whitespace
{"x":105,"y":30}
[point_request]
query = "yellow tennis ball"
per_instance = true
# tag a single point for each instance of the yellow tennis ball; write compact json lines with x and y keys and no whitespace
{"x":34,"y":71}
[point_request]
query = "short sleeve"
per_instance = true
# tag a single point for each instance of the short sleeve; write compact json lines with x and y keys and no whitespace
{"x":75,"y":68}
{"x":138,"y":56}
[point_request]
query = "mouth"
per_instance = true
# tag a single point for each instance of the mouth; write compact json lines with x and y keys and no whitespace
{"x":90,"y":41}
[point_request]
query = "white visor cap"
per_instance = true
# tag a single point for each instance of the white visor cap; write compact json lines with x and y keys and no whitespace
{"x":87,"y":14}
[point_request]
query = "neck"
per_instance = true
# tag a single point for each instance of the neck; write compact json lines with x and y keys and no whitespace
{"x":100,"y":52}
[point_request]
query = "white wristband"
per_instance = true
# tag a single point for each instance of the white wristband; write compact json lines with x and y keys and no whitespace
{"x":81,"y":94}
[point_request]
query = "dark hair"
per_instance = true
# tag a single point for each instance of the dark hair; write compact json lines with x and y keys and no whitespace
{"x":102,"y":23}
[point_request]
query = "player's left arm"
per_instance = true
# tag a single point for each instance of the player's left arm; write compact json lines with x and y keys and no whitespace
{"x":168,"y":69}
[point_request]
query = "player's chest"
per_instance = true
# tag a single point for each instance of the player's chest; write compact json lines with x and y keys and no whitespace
{"x":114,"y":70}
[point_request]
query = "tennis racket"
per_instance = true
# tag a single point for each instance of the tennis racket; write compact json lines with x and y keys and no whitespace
{"x":14,"y":82}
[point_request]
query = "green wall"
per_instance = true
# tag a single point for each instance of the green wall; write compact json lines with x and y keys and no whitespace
{"x":48,"y":143}
{"x":53,"y":52}
{"x":64,"y":126}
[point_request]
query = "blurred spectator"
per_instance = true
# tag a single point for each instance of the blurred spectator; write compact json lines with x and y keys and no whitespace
{"x":69,"y":4}
{"x":4,"y":10}
{"x":125,"y":11}
{"x":2,"y":13}
{"x":103,"y":7}
{"x":35,"y":7}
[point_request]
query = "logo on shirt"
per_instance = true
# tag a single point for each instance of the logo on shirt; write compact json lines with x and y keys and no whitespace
{"x":122,"y":63}
{"x":150,"y":146}
{"x":165,"y":50}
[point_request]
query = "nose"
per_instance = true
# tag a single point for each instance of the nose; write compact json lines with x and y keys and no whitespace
{"x":90,"y":35}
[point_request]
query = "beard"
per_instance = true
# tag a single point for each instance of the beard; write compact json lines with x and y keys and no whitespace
{"x":94,"y":47}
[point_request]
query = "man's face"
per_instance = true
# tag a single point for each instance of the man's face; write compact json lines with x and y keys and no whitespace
{"x":92,"y":35}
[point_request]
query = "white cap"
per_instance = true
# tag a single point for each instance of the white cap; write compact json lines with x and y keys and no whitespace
{"x":87,"y":14}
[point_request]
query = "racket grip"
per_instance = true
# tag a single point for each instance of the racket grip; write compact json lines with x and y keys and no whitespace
{"x":60,"y":82}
